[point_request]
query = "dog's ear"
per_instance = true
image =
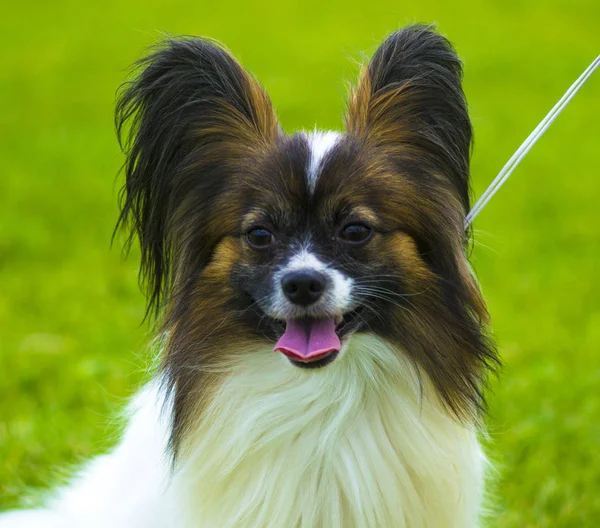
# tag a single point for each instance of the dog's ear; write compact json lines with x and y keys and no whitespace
{"x":409,"y":105}
{"x":410,"y":97}
{"x":194,"y":116}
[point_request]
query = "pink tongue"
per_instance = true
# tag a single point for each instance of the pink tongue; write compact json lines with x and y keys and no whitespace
{"x":306,"y":339}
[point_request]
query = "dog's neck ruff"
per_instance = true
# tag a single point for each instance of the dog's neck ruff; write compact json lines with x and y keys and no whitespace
{"x":362,"y":442}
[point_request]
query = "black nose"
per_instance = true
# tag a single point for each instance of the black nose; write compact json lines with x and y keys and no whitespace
{"x":303,"y":287}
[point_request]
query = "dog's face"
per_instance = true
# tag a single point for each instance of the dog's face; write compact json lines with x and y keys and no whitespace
{"x":333,"y":237}
{"x":251,"y":237}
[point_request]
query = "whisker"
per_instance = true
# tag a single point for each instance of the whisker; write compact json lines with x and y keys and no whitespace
{"x":391,"y":292}
{"x":385,"y":295}
{"x":373,"y":311}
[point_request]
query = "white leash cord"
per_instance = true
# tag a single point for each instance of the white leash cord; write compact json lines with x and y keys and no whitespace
{"x":529,"y":142}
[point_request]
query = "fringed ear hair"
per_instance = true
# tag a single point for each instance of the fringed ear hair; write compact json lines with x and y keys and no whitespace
{"x":410,"y":97}
{"x":194,"y":116}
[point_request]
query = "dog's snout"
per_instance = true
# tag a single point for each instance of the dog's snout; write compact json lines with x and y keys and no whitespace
{"x":303,"y":287}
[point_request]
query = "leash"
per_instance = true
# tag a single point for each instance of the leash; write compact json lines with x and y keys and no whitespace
{"x":531,"y":140}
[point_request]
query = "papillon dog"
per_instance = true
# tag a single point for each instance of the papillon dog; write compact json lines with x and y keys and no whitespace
{"x":324,"y":344}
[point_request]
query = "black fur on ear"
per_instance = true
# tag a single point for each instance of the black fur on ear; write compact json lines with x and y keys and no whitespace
{"x":410,"y":96}
{"x":193,"y":114}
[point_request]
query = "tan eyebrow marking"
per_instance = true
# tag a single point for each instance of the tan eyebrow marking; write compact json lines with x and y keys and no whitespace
{"x":365,"y":213}
{"x":251,"y":218}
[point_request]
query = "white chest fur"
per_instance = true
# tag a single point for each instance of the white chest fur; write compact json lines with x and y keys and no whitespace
{"x":360,"y":443}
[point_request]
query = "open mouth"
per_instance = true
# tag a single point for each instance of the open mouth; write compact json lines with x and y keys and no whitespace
{"x":315,"y":343}
{"x":320,"y":362}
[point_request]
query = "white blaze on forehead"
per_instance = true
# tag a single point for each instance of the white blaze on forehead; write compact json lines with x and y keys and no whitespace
{"x":320,"y":144}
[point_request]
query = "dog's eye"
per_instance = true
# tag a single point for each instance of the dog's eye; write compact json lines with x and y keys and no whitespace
{"x":355,"y":233}
{"x":260,"y":238}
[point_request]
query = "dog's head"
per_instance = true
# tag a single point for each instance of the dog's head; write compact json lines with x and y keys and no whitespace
{"x":250,"y":236}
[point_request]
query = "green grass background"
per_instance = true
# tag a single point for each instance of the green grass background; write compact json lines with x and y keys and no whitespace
{"x":71,"y":344}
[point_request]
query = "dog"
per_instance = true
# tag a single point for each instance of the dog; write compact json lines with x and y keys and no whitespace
{"x":324,"y":343}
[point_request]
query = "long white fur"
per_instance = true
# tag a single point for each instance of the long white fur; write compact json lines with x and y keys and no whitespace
{"x":363,"y":442}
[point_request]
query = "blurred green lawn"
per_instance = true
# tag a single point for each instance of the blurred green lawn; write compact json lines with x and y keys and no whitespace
{"x":71,"y":345}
